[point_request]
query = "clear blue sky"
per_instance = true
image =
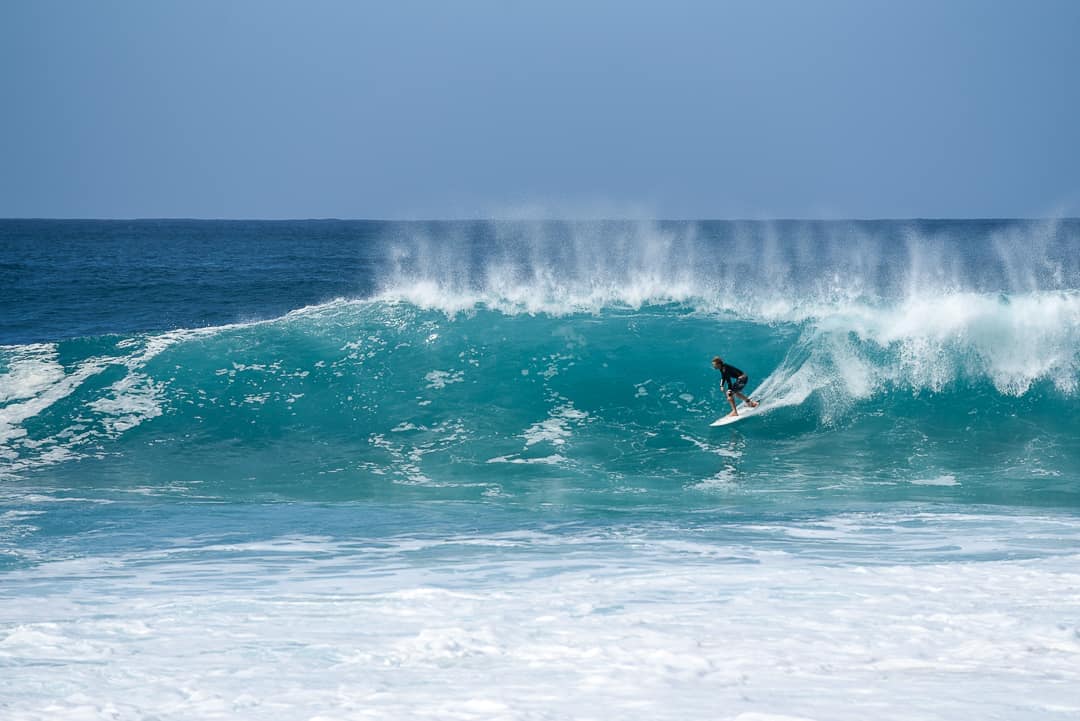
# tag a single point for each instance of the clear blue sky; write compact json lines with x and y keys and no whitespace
{"x":447,"y":109}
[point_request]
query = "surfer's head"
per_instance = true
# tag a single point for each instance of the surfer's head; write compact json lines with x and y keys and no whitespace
{"x":717,"y":362}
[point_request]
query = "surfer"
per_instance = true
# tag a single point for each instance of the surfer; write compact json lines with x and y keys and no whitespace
{"x":735,"y":380}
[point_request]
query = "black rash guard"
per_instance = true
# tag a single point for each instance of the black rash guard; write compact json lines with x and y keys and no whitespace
{"x":730,"y":374}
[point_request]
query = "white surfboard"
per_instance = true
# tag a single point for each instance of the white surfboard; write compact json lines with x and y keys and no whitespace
{"x":745,"y":411}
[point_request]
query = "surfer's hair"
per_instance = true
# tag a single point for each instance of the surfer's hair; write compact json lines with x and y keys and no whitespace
{"x":717,"y":360}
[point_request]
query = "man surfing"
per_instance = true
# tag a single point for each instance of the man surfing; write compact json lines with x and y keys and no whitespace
{"x":735,"y":380}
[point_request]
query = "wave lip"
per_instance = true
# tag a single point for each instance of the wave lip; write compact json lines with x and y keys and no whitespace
{"x":758,"y":270}
{"x":1012,"y":340}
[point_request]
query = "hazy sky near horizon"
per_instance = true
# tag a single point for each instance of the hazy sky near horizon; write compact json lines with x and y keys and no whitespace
{"x":481,"y":108}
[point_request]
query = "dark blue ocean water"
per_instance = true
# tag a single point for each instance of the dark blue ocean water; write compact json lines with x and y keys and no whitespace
{"x":427,"y":427}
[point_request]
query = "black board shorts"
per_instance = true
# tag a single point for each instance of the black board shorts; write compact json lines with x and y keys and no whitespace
{"x":738,"y":384}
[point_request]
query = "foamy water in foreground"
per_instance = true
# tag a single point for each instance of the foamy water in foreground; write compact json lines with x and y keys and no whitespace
{"x":917,"y":615}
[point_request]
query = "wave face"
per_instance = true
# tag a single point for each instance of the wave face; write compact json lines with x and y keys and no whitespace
{"x":567,"y":364}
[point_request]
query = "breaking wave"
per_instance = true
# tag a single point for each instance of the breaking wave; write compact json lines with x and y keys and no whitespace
{"x":483,"y":360}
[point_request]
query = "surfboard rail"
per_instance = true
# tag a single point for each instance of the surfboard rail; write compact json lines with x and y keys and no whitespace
{"x":744,"y":412}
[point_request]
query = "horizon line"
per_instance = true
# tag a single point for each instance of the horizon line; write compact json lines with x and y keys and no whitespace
{"x":538,"y":219}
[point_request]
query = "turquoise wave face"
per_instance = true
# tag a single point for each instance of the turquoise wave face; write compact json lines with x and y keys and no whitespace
{"x":962,"y":397}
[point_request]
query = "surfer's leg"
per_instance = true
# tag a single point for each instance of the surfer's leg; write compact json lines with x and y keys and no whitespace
{"x":731,"y":400}
{"x":752,"y":404}
{"x":737,"y":390}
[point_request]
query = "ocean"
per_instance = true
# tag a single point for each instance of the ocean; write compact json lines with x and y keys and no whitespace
{"x":464,"y":470}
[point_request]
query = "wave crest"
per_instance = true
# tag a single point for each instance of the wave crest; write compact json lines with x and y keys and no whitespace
{"x":759,"y":270}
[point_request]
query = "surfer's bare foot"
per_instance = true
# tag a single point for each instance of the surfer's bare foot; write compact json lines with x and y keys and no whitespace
{"x":753,"y":404}
{"x":732,"y":414}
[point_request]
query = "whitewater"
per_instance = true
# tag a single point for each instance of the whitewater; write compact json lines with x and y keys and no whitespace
{"x":359,"y":469}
